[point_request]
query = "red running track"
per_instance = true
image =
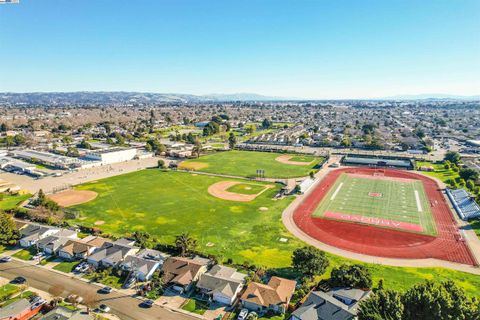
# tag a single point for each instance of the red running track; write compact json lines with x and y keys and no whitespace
{"x":381,"y":242}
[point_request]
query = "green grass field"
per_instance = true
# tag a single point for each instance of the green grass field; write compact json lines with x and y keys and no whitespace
{"x":168,"y":203}
{"x":246,"y":163}
{"x":305,"y":159}
{"x":9,"y":202}
{"x":247,"y":188}
{"x":395,"y":201}
{"x":439,"y":171}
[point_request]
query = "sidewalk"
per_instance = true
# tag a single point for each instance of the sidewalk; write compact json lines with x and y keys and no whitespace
{"x":127,"y":292}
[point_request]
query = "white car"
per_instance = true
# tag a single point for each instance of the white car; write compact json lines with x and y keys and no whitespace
{"x":104,"y":308}
{"x":243,"y":314}
{"x":38,"y":256}
{"x":38,"y":303}
{"x":6,"y":259}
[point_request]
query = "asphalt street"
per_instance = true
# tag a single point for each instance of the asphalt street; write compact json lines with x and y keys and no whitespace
{"x":124,"y":306}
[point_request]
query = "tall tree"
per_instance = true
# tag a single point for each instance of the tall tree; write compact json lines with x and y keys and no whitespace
{"x":8,"y":231}
{"x":310,"y":261}
{"x":432,"y":301}
{"x":468,"y":174}
{"x":232,"y":140}
{"x":381,"y":305}
{"x":185,"y":243}
{"x":351,"y":275}
{"x":197,"y":148}
{"x":452,"y":156}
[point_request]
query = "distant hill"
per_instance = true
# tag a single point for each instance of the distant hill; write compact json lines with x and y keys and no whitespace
{"x":88,"y":97}
{"x":432,"y":96}
{"x":143,"y":98}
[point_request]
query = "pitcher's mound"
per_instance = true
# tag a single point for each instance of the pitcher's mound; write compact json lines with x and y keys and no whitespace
{"x":69,"y":198}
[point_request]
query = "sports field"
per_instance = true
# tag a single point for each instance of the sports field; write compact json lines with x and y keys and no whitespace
{"x":166,"y":204}
{"x":384,"y":202}
{"x":246,"y":164}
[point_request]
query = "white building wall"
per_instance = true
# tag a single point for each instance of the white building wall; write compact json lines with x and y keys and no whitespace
{"x":114,"y":156}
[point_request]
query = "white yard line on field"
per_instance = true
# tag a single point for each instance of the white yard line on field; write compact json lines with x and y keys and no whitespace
{"x":417,"y":199}
{"x":336,"y":191}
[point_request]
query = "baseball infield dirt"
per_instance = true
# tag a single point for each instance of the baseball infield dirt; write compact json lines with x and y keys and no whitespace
{"x":219,"y":190}
{"x":73,"y":197}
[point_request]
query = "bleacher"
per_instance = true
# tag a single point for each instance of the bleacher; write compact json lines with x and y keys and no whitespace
{"x":464,"y":204}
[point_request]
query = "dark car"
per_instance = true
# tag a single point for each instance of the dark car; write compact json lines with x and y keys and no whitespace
{"x":147,"y":303}
{"x":19,"y":280}
{"x":105,"y":290}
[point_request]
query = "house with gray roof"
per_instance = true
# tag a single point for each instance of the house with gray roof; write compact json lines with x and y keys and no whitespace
{"x":221,"y":284}
{"x":336,"y":304}
{"x":142,"y":268}
{"x":112,"y":253}
{"x":32,"y":233}
{"x":51,"y":244}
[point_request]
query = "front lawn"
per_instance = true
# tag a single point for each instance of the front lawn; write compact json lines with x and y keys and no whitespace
{"x":8,"y":290}
{"x":25,"y":254}
{"x":24,"y":295}
{"x":106,"y":278}
{"x":66,"y":266}
{"x":195,"y":306}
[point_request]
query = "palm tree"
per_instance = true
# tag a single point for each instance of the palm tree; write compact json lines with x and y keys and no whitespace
{"x":197,"y":148}
{"x":185,"y":243}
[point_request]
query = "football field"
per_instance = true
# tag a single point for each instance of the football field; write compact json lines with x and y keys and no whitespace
{"x":387,"y":202}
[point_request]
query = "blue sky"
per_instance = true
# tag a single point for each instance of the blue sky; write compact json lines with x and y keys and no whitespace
{"x":295,"y":48}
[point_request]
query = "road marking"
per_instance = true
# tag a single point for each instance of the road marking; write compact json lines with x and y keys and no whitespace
{"x":336,"y":191}
{"x":417,"y":199}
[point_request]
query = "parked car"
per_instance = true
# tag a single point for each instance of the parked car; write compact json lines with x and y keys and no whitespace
{"x":104,"y":308}
{"x":38,"y":303}
{"x":82,"y":267}
{"x":243,"y":314}
{"x":130,"y":282}
{"x":6,"y":259}
{"x":19,"y":280}
{"x":106,"y":290}
{"x":147,"y":303}
{"x":38,"y":256}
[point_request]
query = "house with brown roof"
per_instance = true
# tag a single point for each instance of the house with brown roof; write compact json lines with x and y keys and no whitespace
{"x":180,"y":273}
{"x":80,"y":249}
{"x":273,"y":296}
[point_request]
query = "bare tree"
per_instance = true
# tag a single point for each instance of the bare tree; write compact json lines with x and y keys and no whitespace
{"x":56,"y":291}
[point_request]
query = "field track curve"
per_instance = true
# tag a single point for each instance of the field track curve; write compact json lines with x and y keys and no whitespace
{"x":379,"y":245}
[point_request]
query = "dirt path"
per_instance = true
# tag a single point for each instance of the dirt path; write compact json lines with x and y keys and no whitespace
{"x":287,"y":219}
